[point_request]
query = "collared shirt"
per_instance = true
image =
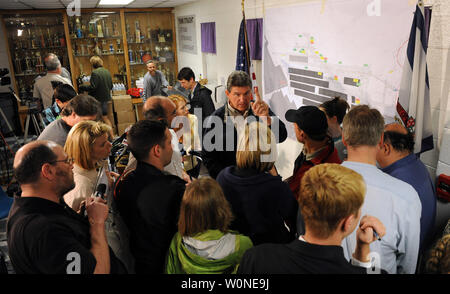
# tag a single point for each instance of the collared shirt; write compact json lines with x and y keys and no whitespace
{"x":303,"y":163}
{"x":51,"y":114}
{"x":412,"y":171}
{"x":57,"y":131}
{"x":43,"y":87}
{"x":397,"y":205}
{"x":153,"y":84}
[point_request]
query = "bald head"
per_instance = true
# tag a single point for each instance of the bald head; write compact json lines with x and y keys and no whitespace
{"x":397,"y":128}
{"x":30,"y":158}
{"x":159,"y":108}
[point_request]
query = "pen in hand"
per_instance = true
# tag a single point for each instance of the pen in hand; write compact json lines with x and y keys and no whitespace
{"x":376,"y":235}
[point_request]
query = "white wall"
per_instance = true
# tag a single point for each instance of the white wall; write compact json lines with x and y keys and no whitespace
{"x":228,"y":16}
{"x":438,"y":59}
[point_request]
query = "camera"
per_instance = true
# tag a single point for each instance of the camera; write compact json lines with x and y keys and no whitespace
{"x":4,"y":80}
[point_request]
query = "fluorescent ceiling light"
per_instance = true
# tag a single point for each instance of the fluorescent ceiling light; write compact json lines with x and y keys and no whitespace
{"x":114,"y":2}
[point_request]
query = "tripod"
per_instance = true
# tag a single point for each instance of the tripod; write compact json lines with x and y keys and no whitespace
{"x":35,"y":115}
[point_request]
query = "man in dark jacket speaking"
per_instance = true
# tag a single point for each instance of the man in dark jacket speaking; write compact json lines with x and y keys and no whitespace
{"x":222,"y":127}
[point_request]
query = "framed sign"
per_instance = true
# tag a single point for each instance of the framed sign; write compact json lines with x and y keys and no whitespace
{"x":187,"y":34}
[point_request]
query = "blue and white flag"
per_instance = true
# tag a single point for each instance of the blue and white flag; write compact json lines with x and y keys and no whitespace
{"x":243,"y":54}
{"x":413,"y":106}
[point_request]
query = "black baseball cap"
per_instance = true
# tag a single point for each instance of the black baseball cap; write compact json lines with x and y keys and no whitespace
{"x":310,"y":119}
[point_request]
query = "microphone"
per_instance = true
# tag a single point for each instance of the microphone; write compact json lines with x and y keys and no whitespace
{"x":100,"y":191}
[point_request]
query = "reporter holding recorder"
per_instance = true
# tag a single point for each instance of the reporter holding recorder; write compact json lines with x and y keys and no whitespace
{"x":88,"y":145}
{"x":45,"y":236}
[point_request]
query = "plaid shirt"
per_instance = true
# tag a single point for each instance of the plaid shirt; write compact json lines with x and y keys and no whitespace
{"x":50,"y":114}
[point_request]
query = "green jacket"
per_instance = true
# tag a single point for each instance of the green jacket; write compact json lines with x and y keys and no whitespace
{"x":100,"y":85}
{"x":182,"y":261}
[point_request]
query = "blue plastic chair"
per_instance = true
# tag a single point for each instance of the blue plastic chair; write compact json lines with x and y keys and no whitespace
{"x":5,"y":204}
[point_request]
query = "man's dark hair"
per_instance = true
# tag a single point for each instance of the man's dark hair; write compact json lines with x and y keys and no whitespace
{"x":400,"y":142}
{"x":82,"y":105}
{"x":145,"y":134}
{"x":157,"y":112}
{"x":65,"y":92}
{"x":29,"y":169}
{"x":336,"y":107}
{"x":238,"y":79}
{"x":186,"y":73}
{"x":55,"y":84}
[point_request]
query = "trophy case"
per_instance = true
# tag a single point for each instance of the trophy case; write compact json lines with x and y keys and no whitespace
{"x":97,"y":33}
{"x":150,"y":36}
{"x":30,"y":37}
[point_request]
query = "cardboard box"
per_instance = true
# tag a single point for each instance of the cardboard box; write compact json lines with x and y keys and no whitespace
{"x":126,"y":117}
{"x":140,"y":114}
{"x":119,"y":92}
{"x":122,"y":103}
{"x":121,"y":128}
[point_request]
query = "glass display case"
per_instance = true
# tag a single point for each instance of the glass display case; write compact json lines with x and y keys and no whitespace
{"x":97,"y":33}
{"x":150,"y":36}
{"x":30,"y":38}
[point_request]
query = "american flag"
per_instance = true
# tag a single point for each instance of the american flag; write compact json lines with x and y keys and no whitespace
{"x":413,"y":106}
{"x":243,"y":62}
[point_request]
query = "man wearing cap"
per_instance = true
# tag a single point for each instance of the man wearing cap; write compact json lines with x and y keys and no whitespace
{"x":311,"y":127}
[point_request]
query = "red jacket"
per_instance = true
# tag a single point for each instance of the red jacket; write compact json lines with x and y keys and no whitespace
{"x":327,"y":155}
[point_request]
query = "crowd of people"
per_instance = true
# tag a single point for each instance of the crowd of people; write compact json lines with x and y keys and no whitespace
{"x":359,"y":200}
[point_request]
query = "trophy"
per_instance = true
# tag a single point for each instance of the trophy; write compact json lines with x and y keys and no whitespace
{"x":128,"y":32}
{"x":97,"y":50}
{"x":83,"y":49}
{"x":38,"y":62}
{"x":99,"y":30}
{"x":119,"y":49}
{"x":17,"y":63}
{"x":105,"y":27}
{"x":91,"y":30}
{"x":130,"y":55}
{"x":78,"y":32}
{"x":49,"y":38}
{"x":138,"y":32}
{"x":114,"y":28}
{"x":161,"y":38}
{"x":141,"y":54}
{"x":157,"y":49}
{"x":28,"y":63}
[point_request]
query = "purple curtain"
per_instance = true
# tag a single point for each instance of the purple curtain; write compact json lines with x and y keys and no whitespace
{"x":208,"y":37}
{"x":255,"y":37}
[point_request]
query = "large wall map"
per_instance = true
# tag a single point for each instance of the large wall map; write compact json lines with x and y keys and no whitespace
{"x":319,"y":50}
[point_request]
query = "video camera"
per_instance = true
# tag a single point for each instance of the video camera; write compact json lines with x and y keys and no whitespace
{"x":4,"y":80}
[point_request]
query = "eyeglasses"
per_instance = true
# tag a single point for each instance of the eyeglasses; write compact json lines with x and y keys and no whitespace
{"x":68,"y":160}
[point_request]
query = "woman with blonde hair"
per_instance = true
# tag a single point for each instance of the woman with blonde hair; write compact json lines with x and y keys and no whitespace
{"x":87,"y":144}
{"x":263,"y":205}
{"x":203,"y":243}
{"x":188,"y":135}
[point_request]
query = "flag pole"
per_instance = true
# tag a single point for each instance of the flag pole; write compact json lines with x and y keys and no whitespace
{"x":245,"y":35}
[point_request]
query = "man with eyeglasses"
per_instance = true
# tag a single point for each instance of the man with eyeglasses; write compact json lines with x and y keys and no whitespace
{"x":45,"y":236}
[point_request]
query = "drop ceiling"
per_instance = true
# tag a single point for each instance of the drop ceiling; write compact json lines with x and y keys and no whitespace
{"x":58,"y":4}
